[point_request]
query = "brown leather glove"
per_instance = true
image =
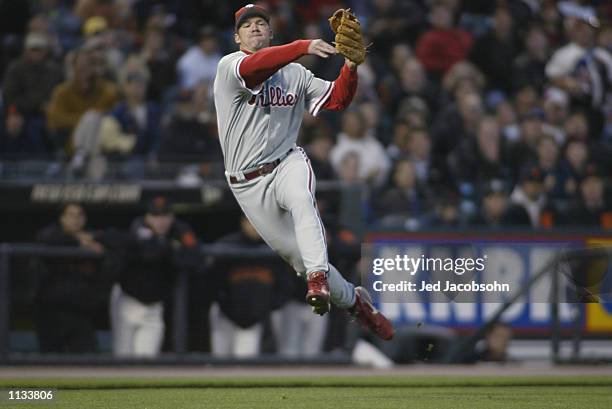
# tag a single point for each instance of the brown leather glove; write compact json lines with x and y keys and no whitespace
{"x":349,"y":40}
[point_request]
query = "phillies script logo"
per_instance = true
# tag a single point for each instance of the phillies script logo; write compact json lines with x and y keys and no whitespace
{"x":273,"y":96}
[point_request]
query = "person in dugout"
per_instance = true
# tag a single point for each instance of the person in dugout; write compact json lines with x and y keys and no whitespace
{"x":244,"y":291}
{"x":158,"y":245}
{"x":68,"y":289}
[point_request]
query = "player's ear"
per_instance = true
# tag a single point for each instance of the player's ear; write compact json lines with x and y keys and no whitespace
{"x":236,"y":38}
{"x":271,"y":34}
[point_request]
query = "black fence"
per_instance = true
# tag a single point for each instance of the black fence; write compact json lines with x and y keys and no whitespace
{"x":180,"y":354}
{"x":178,"y":310}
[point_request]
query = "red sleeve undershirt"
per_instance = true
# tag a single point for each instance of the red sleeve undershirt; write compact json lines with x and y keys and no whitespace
{"x":259,"y":66}
{"x":344,"y":90}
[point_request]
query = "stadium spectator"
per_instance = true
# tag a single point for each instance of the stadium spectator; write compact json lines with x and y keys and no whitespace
{"x":481,"y":158}
{"x":388,"y":74}
{"x":462,"y":77}
{"x":399,"y":144}
{"x":552,"y":23}
{"x":109,"y":10}
{"x":405,"y":199}
{"x":446,"y":213}
{"x":392,"y":22}
{"x":135,"y":114}
{"x":199,"y":63}
{"x":431,"y":170}
{"x":244,"y":295}
{"x":26,"y":91}
{"x":413,"y":82}
{"x":548,"y":161}
{"x":497,"y":210}
{"x":526,"y":101}
{"x":581,"y":68}
{"x":68,"y":289}
{"x":414,"y":112}
{"x":190,"y":132}
{"x":556,"y":107}
{"x":62,"y":21}
{"x":573,"y":166}
{"x":159,"y":56}
{"x":576,"y":127}
{"x":319,"y":150}
{"x":400,"y":54}
{"x":457,"y":122}
{"x":348,"y":167}
{"x":524,"y":149}
{"x":84,"y":91}
{"x":530,"y":66}
{"x":592,"y":209}
{"x":159,"y":244}
{"x":130,"y":132}
{"x":312,"y":11}
{"x":101,"y":40}
{"x":39,"y":24}
{"x":373,"y":120}
{"x":494,"y":52}
{"x":373,"y":162}
{"x":443,"y":45}
{"x":529,"y":193}
{"x":506,"y":118}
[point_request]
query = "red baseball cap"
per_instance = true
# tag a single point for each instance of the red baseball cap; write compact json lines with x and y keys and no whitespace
{"x":250,"y":10}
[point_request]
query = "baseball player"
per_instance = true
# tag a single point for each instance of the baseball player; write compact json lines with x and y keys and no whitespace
{"x":260,"y":98}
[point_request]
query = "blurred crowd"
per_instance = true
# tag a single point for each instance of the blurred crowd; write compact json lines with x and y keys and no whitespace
{"x":477,"y":113}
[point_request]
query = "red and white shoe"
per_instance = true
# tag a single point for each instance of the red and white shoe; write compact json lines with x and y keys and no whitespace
{"x":370,"y":317}
{"x":318,"y":292}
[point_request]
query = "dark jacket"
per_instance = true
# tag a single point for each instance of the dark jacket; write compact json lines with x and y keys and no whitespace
{"x":27,"y":86}
{"x":67,"y":282}
{"x":581,"y":215}
{"x":514,"y":216}
{"x":246,"y":288}
{"x":408,"y":203}
{"x":152,"y":262}
{"x":148,"y":136}
{"x":188,"y":138}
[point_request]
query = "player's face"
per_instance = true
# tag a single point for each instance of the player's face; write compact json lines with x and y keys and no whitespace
{"x":254,"y":34}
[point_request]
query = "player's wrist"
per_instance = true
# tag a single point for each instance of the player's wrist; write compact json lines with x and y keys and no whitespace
{"x":350,"y":64}
{"x":303,"y":45}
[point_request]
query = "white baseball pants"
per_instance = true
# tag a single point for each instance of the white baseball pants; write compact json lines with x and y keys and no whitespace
{"x":299,"y":332}
{"x":230,"y":340}
{"x":281,"y":206}
{"x":137,"y":328}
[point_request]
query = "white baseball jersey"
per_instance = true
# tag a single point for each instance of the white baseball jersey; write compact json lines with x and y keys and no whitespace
{"x":259,"y":126}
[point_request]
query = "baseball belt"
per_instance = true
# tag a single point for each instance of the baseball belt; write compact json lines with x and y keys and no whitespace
{"x":261,"y":170}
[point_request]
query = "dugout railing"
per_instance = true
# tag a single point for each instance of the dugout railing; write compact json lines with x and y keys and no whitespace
{"x":180,"y":354}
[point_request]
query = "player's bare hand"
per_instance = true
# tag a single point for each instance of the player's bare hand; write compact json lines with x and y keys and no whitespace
{"x":321,"y":48}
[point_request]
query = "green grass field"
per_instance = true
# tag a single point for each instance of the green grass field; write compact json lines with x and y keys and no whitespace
{"x":325,"y":392}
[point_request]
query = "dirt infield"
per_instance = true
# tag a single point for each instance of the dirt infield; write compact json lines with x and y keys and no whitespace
{"x":178,"y":372}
